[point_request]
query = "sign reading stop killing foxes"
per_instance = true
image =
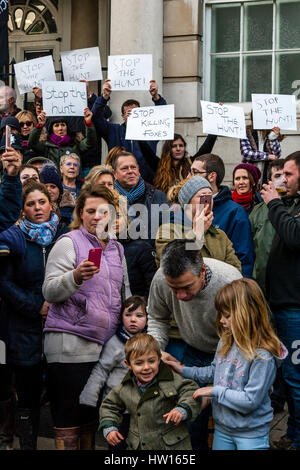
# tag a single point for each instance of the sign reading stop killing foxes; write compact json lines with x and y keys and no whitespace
{"x":151,"y":123}
{"x":224,"y":120}
{"x":34,"y":72}
{"x":130,"y":72}
{"x":274,"y":111}
{"x":64,"y":98}
{"x":81,"y":64}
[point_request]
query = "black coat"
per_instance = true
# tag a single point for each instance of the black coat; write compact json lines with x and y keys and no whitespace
{"x":141,"y":266}
{"x":21,"y":280}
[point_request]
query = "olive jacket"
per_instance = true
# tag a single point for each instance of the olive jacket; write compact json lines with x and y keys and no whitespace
{"x":148,"y":429}
{"x":216,"y":243}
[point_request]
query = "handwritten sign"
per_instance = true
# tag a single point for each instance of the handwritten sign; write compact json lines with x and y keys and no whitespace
{"x":274,"y":111}
{"x":34,"y":72}
{"x":64,"y":98}
{"x":151,"y":123}
{"x":225,"y":120}
{"x":81,"y":64}
{"x":130,"y":72}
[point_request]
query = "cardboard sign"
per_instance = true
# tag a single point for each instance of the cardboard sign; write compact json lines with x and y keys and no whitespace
{"x":151,"y":123}
{"x":81,"y":64}
{"x":34,"y":72}
{"x":274,"y":111}
{"x":130,"y":72}
{"x":64,"y":98}
{"x":225,"y":120}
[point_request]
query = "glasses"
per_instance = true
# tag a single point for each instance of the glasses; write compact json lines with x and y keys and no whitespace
{"x":27,"y":123}
{"x":196,"y":172}
{"x":72,"y":164}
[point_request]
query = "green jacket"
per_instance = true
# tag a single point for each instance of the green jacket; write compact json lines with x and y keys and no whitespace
{"x":54,"y":152}
{"x":148,"y":429}
{"x":216,"y":243}
{"x":263,"y":234}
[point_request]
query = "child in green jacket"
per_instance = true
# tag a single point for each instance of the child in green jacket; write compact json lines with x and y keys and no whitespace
{"x":158,"y":400}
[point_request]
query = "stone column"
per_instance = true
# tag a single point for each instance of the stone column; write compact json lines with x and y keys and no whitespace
{"x":137,"y":28}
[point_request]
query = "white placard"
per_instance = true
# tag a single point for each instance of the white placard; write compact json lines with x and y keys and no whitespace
{"x":274,"y":111}
{"x":34,"y":72}
{"x":130,"y":72}
{"x":81,"y":64}
{"x":64,"y":98}
{"x":151,"y":123}
{"x":225,"y":120}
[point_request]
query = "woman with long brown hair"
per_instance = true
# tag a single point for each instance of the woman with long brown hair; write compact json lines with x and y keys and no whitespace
{"x":175,"y":163}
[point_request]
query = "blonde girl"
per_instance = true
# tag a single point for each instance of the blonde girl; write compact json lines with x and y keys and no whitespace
{"x":243,"y":369}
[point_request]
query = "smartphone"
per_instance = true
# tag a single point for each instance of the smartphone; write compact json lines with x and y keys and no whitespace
{"x":95,"y":256}
{"x":7,"y":136}
{"x":206,"y":199}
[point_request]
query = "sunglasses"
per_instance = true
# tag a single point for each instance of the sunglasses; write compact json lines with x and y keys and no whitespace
{"x":27,"y":123}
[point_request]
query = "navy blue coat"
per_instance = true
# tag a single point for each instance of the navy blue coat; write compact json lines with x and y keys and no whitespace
{"x":114,"y":134}
{"x":21,"y":324}
{"x":234,"y":221}
{"x":10,"y":200}
{"x":141,"y":266}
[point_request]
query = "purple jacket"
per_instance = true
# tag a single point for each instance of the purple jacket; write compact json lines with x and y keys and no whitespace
{"x":94,"y":311}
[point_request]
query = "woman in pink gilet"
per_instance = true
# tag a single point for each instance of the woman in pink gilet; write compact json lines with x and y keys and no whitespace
{"x":84,"y":313}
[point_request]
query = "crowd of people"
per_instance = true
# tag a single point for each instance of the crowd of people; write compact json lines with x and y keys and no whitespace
{"x":141,"y":297}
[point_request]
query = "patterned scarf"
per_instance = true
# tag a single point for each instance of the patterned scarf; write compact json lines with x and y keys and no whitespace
{"x":43,"y":233}
{"x":135,"y":193}
{"x":60,"y":141}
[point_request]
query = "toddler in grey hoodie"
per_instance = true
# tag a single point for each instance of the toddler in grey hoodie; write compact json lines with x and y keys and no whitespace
{"x":243,"y":369}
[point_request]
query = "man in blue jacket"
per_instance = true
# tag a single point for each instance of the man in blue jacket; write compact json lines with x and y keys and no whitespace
{"x":228,"y":215}
{"x":114,"y":134}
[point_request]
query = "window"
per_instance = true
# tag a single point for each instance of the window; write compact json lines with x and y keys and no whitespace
{"x":251,"y":47}
{"x":31,"y":17}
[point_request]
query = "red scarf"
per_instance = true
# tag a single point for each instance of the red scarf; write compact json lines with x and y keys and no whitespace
{"x":244,"y":199}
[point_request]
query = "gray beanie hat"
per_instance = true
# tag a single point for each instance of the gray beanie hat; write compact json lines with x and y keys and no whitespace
{"x":191,"y":187}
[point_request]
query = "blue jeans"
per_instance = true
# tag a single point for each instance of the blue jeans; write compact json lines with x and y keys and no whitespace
{"x":190,"y":357}
{"x":225,"y":442}
{"x":288,"y":329}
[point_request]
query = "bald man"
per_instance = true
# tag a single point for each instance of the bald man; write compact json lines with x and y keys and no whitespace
{"x":8,"y":102}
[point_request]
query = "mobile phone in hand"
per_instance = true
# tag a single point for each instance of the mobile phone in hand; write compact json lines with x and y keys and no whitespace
{"x":95,"y":256}
{"x":7,"y":136}
{"x":205,"y":199}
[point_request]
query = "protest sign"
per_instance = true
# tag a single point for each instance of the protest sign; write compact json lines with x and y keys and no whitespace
{"x":130,"y":72}
{"x":81,"y":64}
{"x":151,"y":123}
{"x":34,"y":72}
{"x":274,"y":111}
{"x":225,"y":120}
{"x":64,"y":98}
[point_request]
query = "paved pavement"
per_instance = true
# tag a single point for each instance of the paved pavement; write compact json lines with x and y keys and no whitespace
{"x":46,"y":441}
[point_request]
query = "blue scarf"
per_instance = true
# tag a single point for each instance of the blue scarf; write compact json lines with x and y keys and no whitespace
{"x":135,"y":193}
{"x":42,"y":234}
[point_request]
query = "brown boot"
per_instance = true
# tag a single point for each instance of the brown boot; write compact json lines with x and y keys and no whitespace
{"x":67,"y":438}
{"x":87,"y":436}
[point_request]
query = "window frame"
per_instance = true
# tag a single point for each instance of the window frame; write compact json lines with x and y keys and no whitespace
{"x":207,"y":16}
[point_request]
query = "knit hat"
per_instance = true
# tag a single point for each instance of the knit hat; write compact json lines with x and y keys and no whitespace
{"x":191,"y":187}
{"x":15,"y":142}
{"x":255,"y":172}
{"x":49,"y":174}
{"x":12,"y":122}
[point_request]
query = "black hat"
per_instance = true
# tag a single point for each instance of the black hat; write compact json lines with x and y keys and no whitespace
{"x":12,"y":122}
{"x":15,"y":142}
{"x":49,"y":174}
